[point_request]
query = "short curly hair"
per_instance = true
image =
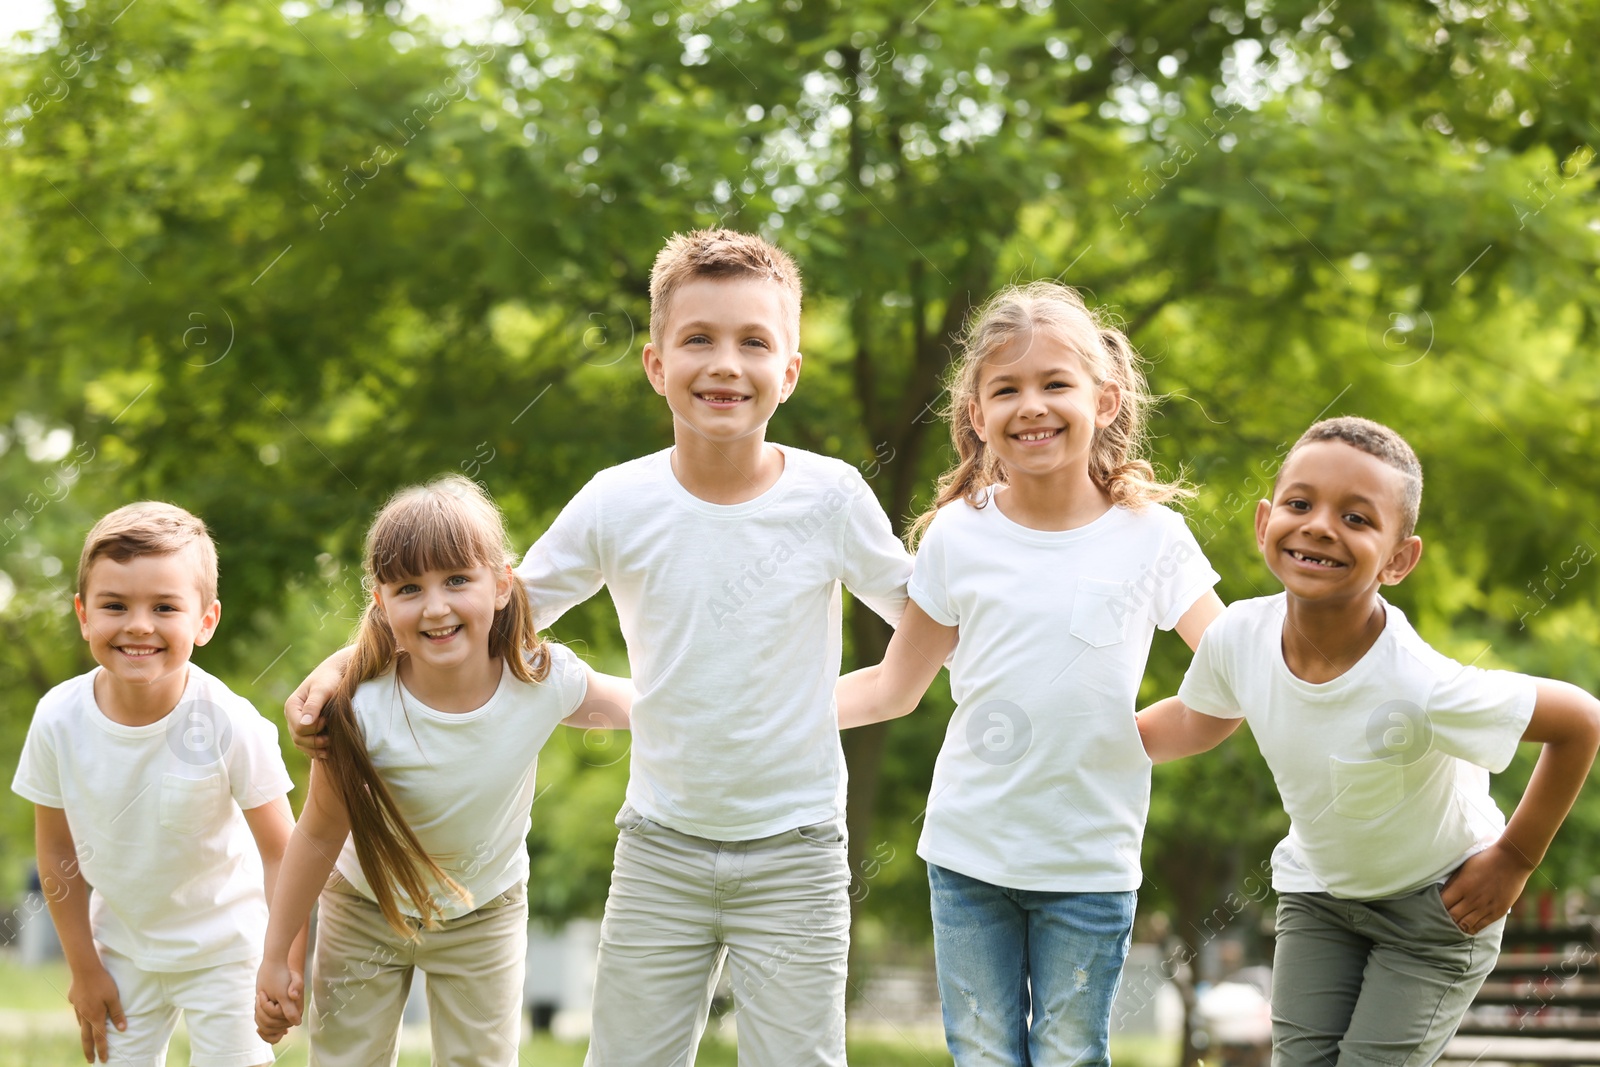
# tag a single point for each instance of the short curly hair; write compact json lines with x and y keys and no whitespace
{"x":1377,"y":440}
{"x":720,"y":254}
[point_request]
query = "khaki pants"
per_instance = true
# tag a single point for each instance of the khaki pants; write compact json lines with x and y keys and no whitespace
{"x":777,"y":909}
{"x":1372,"y":983}
{"x":362,"y":973}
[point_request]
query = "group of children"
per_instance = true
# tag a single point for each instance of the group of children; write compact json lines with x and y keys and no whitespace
{"x":1045,"y":565}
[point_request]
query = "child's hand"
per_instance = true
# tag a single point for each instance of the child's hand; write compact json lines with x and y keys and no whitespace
{"x":303,"y":709}
{"x":278,"y":1000}
{"x":94,"y":998}
{"x":1482,"y":890}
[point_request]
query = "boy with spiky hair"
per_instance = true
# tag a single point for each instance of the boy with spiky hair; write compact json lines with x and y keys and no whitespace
{"x":724,"y":555}
{"x":1398,"y":870}
{"x":159,"y":788}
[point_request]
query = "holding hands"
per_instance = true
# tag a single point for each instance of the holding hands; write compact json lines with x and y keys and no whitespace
{"x":280,"y":997}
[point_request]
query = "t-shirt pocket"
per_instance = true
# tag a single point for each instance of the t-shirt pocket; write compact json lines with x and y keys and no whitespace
{"x":1100,"y":611}
{"x":192,"y":805}
{"x":1365,"y":789}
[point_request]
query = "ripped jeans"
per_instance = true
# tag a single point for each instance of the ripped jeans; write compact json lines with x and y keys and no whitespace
{"x":1027,"y":978}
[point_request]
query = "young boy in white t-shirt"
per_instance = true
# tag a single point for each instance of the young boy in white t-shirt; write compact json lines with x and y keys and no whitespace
{"x":1398,"y":871}
{"x":724,"y":556}
{"x":149,"y":780}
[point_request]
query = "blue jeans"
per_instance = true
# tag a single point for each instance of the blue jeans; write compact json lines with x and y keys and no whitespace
{"x":1011,"y":957}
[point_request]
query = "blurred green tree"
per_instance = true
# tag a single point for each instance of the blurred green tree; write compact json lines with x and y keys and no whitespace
{"x":275,"y":261}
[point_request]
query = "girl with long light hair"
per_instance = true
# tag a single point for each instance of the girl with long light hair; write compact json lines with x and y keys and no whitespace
{"x":415,"y":824}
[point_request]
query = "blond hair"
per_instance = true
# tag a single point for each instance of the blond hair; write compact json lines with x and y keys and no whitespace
{"x":446,"y":524}
{"x":151,"y":528}
{"x":1116,"y":457}
{"x":720,"y":254}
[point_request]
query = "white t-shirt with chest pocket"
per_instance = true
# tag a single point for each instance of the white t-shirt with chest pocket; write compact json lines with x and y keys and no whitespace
{"x":1042,"y":782}
{"x":156,"y":814}
{"x":1384,"y":770}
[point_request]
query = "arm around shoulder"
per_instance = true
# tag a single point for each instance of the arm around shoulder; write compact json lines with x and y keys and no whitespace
{"x":1171,"y":730}
{"x":608,"y":704}
{"x":303,"y":710}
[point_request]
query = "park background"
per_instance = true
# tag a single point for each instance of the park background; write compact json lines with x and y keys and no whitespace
{"x":272,"y":261}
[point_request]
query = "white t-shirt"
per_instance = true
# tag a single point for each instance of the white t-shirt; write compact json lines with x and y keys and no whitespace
{"x":1042,"y":782}
{"x":155,"y":814}
{"x":465,"y":781}
{"x":732,"y":617}
{"x":1384,"y":771}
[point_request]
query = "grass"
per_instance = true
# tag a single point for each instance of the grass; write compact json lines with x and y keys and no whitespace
{"x":36,"y":1031}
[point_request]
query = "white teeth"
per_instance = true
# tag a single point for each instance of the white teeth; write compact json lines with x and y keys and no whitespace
{"x":446,"y":632}
{"x":138,"y":652}
{"x":1315,"y":560}
{"x":1037,"y":435}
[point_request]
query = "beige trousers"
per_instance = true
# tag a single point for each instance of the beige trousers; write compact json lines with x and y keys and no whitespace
{"x":362,"y":973}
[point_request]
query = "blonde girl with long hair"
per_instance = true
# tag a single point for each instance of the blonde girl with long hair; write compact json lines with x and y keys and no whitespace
{"x":415,"y":823}
{"x":1045,"y":564}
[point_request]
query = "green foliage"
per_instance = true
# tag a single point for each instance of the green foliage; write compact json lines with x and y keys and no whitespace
{"x":273,"y":265}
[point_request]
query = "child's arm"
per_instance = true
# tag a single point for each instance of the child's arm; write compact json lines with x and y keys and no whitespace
{"x":1201,"y":614}
{"x":92,"y":992}
{"x":313,"y":847}
{"x":608,"y":705}
{"x":1567,"y":721}
{"x":303,"y":710}
{"x":1172,"y":731}
{"x":893,"y":688}
{"x":271,"y":824}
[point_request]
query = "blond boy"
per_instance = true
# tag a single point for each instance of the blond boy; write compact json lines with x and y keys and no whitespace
{"x":149,"y":780}
{"x":724,"y":555}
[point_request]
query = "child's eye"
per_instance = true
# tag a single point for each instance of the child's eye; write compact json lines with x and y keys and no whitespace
{"x":112,"y":606}
{"x":757,"y":341}
{"x":1059,"y":385}
{"x":698,"y":339}
{"x":165,"y":607}
{"x":457,"y":579}
{"x":1297,"y":505}
{"x":1360,"y":520}
{"x":1004,"y":389}
{"x":409,"y":587}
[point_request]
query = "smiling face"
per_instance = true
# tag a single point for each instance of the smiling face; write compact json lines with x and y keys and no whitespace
{"x":1037,"y":407}
{"x":143,"y":618}
{"x":1333,"y":528}
{"x":727,"y":359}
{"x":441,"y":618}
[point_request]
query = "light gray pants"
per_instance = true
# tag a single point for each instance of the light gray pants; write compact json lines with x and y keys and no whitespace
{"x":1372,"y":982}
{"x":777,"y":909}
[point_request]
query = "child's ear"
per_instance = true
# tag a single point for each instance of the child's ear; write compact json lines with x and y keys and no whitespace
{"x":975,"y":416}
{"x":652,"y":368}
{"x":1407,"y":554}
{"x":83,"y":615}
{"x":1108,"y":404}
{"x":1263,"y":513}
{"x":502,"y":588}
{"x":791,"y":377}
{"x":208,"y":622}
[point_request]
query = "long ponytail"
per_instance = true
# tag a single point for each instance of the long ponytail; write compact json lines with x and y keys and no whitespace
{"x":445,"y":524}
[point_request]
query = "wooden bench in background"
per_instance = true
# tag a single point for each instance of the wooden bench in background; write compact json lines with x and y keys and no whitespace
{"x":1541,"y":1003}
